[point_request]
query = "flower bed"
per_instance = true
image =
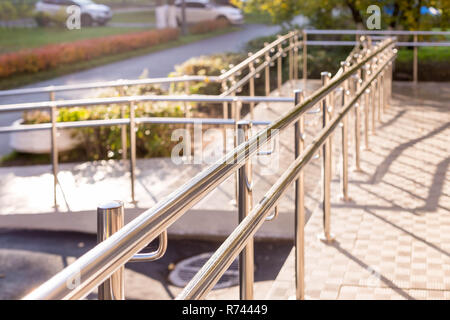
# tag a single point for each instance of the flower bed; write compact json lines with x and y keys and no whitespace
{"x":51,"y":56}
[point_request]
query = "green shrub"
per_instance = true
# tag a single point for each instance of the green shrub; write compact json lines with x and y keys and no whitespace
{"x":212,"y":65}
{"x":15,"y":9}
{"x":7,"y":11}
{"x":434,"y":64}
{"x":152,"y":140}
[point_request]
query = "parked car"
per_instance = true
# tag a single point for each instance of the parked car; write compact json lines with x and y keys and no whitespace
{"x":201,"y":10}
{"x":91,"y":12}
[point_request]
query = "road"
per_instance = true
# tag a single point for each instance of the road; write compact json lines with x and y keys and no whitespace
{"x":158,"y":64}
{"x":29,"y":258}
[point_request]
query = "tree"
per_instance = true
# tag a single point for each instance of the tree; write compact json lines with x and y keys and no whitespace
{"x":396,"y":14}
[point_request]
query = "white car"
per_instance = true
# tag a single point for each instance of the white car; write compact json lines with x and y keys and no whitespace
{"x":91,"y":12}
{"x":201,"y":10}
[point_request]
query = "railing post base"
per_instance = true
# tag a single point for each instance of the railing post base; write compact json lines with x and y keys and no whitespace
{"x":330,"y":238}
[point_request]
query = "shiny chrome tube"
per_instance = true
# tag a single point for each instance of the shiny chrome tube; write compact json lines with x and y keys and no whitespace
{"x":54,"y":149}
{"x":136,"y":99}
{"x":255,"y":56}
{"x":107,"y":84}
{"x":326,"y":167}
{"x":118,"y":122}
{"x":299,"y":219}
{"x":103,"y":260}
{"x":246,"y":258}
{"x":375,"y":32}
{"x":219,"y":262}
{"x":110,"y":219}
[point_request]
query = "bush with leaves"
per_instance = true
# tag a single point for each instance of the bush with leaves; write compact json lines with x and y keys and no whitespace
{"x":55,"y":55}
{"x":212,"y":65}
{"x":152,"y":140}
{"x":7,"y":11}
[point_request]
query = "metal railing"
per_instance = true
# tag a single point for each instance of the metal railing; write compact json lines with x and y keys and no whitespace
{"x":375,"y":34}
{"x":52,"y":90}
{"x":367,"y":74}
{"x":226,"y":98}
{"x":288,"y":44}
{"x":131,"y":122}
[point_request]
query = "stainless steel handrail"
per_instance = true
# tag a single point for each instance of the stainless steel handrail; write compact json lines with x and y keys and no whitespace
{"x":127,"y":102}
{"x":399,"y":44}
{"x":375,"y":32}
{"x":106,"y":84}
{"x":126,"y":121}
{"x":257,"y":55}
{"x":219,"y":262}
{"x":415,"y":43}
{"x":100,"y":262}
{"x":136,"y":99}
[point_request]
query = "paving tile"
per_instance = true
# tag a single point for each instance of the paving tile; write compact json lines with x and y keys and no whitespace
{"x":393,"y":240}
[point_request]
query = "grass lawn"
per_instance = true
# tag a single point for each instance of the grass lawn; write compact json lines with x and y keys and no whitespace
{"x":425,"y":54}
{"x":22,"y":38}
{"x":134,"y":17}
{"x":20,"y":80}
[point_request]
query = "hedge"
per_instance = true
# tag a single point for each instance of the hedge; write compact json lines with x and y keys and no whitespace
{"x":152,"y":140}
{"x":55,"y":55}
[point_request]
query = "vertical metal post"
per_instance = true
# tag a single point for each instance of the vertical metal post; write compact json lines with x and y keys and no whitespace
{"x":374,"y":96}
{"x":54,"y":150}
{"x":132,"y":152}
{"x":389,"y":95}
{"x":305,"y":59}
{"x":110,"y":219}
{"x":415,"y":62}
{"x":291,"y":62}
{"x":357,"y":128}
{"x":299,"y":231}
{"x":267,"y":72}
{"x":386,"y":88}
{"x":246,"y":257}
{"x":225,"y":116}
{"x":279,"y":68}
{"x":233,"y":106}
{"x":390,"y":84}
{"x":123,"y":133}
{"x":380,"y":95}
{"x":123,"y":129}
{"x":296,"y":42}
{"x":331,"y":139}
{"x":252,"y":89}
{"x":187,"y":113}
{"x":326,"y":167}
{"x":344,"y":182}
{"x":366,"y":112}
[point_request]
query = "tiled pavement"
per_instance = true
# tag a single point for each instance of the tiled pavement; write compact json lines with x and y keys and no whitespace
{"x":393,"y":240}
